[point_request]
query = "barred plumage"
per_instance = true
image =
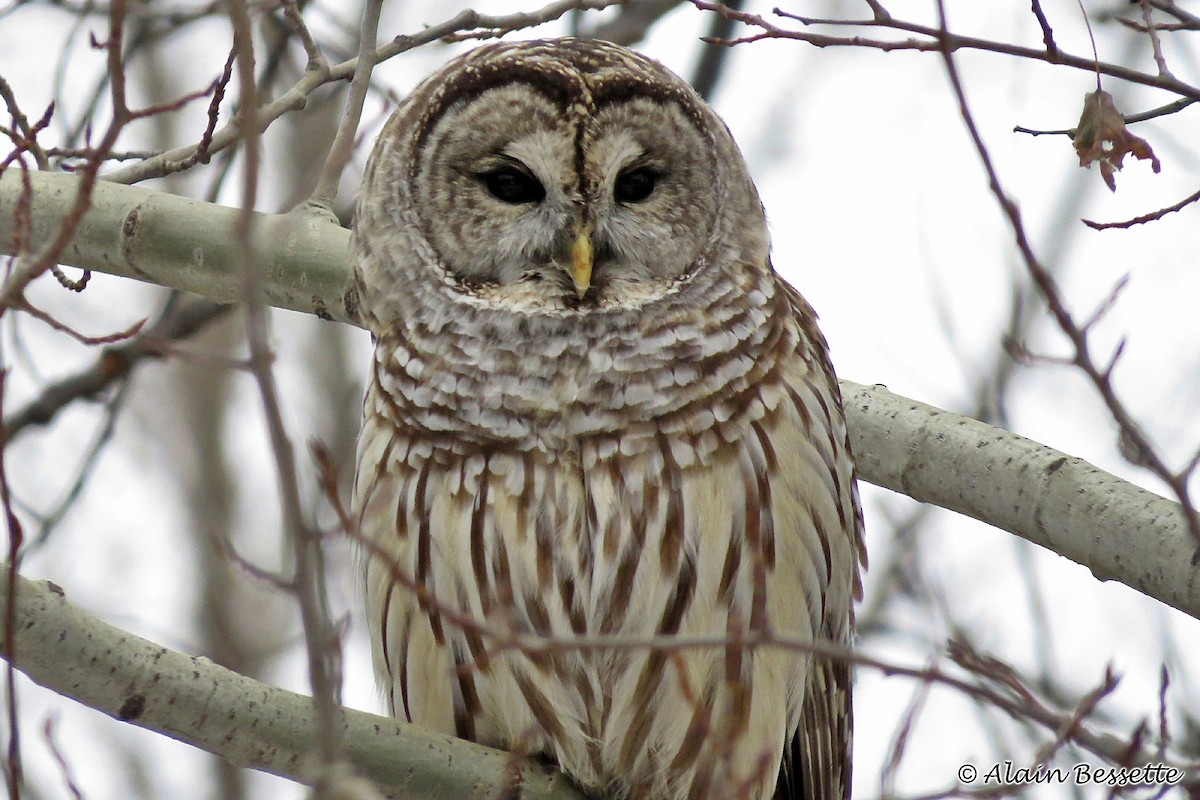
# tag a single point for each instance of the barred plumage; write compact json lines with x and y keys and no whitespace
{"x":597,"y":412}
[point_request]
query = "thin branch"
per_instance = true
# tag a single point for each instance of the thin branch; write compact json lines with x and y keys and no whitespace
{"x":1155,"y":44}
{"x":180,"y":321}
{"x":1162,"y":111}
{"x":1087,"y":22}
{"x":467,"y":24}
{"x":321,"y":641}
{"x":1144,"y":218}
{"x":933,"y":41}
{"x":64,"y":767}
{"x":16,"y":542}
{"x":344,"y":141}
{"x":1044,"y":24}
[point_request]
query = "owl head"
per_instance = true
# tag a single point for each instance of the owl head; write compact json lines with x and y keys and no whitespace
{"x":552,"y":177}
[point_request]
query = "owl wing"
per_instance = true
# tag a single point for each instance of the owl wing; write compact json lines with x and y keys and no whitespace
{"x":817,"y":762}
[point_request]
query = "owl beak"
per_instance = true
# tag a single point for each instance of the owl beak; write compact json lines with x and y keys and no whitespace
{"x":581,"y":260}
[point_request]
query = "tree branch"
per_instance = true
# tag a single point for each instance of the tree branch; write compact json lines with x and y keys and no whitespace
{"x":249,"y":723}
{"x":186,"y":244}
{"x":1120,"y":531}
{"x":1117,"y":530}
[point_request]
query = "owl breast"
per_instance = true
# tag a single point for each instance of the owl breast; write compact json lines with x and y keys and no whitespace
{"x":544,"y":483}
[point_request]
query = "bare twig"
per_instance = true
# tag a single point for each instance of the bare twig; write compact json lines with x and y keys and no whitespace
{"x":1087,"y":22}
{"x":1155,"y":44}
{"x":1144,"y":218}
{"x":16,"y":542}
{"x":1047,"y":32}
{"x":1083,"y":709}
{"x":321,"y":641}
{"x":1161,"y":111}
{"x":901,"y":738}
{"x":179,"y":321}
{"x":64,"y":766}
{"x":343,"y":143}
{"x":30,"y":265}
{"x":24,"y":135}
{"x":933,"y":40}
{"x":21,"y":304}
{"x":466,"y":25}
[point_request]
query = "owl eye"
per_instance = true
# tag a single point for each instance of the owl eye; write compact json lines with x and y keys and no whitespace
{"x":514,"y":186}
{"x":635,"y":185}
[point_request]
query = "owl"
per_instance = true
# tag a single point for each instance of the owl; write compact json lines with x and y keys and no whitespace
{"x":603,"y":456}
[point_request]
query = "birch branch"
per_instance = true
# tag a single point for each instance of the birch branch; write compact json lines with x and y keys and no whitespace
{"x":1118,"y":530}
{"x":183,"y":243}
{"x":251,"y":724}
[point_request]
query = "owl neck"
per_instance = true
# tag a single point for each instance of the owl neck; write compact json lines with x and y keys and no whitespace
{"x":546,"y":381}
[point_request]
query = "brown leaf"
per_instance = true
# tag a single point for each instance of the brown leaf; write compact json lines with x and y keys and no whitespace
{"x":1101,"y":136}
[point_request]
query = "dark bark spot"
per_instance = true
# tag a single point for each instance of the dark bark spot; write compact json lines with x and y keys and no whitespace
{"x":132,"y":708}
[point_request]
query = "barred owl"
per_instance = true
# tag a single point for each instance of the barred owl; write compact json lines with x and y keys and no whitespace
{"x":597,"y":416}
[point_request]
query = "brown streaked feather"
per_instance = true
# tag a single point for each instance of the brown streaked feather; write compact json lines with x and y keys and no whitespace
{"x":817,"y":762}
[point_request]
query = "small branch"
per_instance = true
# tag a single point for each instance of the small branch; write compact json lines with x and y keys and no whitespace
{"x":1161,"y":111}
{"x":932,"y":40}
{"x":24,"y":135}
{"x":1151,"y":217}
{"x":1172,"y":8}
{"x":1047,"y":33}
{"x":16,"y":543}
{"x":1155,"y":44}
{"x":320,"y":637}
{"x":1087,"y":22}
{"x":64,"y":767}
{"x":23,"y":305}
{"x":468,"y":24}
{"x":1168,"y":27}
{"x":343,"y":143}
{"x":113,"y":365}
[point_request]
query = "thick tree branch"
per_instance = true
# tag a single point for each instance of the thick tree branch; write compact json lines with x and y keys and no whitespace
{"x":251,"y":724}
{"x":186,"y":244}
{"x":1120,"y":531}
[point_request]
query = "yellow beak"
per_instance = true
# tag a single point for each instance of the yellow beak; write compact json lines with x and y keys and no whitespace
{"x":581,"y":260}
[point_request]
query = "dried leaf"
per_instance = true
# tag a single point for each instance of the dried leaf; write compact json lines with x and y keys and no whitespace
{"x":1101,"y":136}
